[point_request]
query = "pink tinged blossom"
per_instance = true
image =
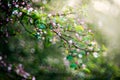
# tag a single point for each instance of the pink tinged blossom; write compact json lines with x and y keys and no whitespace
{"x":83,"y":66}
{"x":23,"y":3}
{"x":20,"y":65}
{"x":59,"y":33}
{"x":89,"y":30}
{"x":81,"y":21}
{"x":77,"y":35}
{"x":20,"y":14}
{"x":7,"y":34}
{"x":33,"y":78}
{"x":7,"y":19}
{"x":14,"y":3}
{"x":53,"y":24}
{"x":30,"y":9}
{"x":66,"y":62}
{"x":78,"y":50}
{"x":9,"y":67}
{"x":26,"y":75}
{"x":3,"y":63}
{"x":77,"y":62}
{"x":21,"y":71}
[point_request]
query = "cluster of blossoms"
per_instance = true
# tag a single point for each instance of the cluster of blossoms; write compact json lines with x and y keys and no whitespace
{"x":76,"y":38}
{"x":9,"y":7}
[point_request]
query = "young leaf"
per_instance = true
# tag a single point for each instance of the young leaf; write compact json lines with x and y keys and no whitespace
{"x":79,"y":28}
{"x":73,"y":65}
{"x":69,"y":57}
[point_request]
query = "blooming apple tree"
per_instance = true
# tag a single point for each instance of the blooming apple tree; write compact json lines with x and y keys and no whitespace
{"x":76,"y":38}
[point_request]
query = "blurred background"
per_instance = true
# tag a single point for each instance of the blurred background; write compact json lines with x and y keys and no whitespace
{"x":105,"y":14}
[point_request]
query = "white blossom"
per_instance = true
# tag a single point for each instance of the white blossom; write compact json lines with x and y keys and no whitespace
{"x":78,"y":50}
{"x":88,"y":53}
{"x":9,"y":68}
{"x":70,"y":41}
{"x":77,"y":35}
{"x":93,"y":43}
{"x":16,"y":6}
{"x":50,"y":40}
{"x":74,"y":54}
{"x":0,"y":57}
{"x":15,"y":12}
{"x":30,"y":9}
{"x":95,"y":54}
{"x":90,"y":48}
{"x":44,"y":2}
{"x":83,"y":66}
{"x":49,"y":15}
{"x":80,"y":56}
{"x":25,"y":8}
{"x":43,"y":38}
{"x":9,"y":5}
{"x":17,"y":71}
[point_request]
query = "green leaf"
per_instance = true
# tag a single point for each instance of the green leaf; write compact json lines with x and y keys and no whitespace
{"x":47,"y":42}
{"x":82,"y":45}
{"x":37,"y":21}
{"x":86,"y":70}
{"x":87,"y":38}
{"x":104,"y":48}
{"x":51,"y":27}
{"x":49,"y":33}
{"x":73,"y":51}
{"x":79,"y":28}
{"x":69,"y":57}
{"x":35,"y":15}
{"x":42,"y":26}
{"x":73,"y":65}
{"x":82,"y":52}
